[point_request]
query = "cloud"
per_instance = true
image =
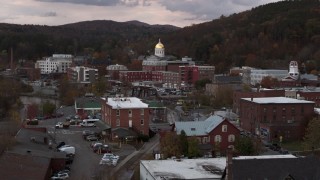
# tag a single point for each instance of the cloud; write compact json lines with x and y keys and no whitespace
{"x":130,"y":3}
{"x":86,"y":2}
{"x":49,"y":14}
{"x":211,"y":9}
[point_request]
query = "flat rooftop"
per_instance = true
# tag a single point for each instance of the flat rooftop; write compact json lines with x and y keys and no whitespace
{"x":277,"y":100}
{"x":209,"y":168}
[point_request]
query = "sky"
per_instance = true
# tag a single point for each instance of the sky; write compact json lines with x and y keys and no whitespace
{"x":179,"y":13}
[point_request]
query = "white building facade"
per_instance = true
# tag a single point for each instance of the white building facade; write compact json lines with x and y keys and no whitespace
{"x":256,"y":75}
{"x":82,"y":74}
{"x":58,"y":63}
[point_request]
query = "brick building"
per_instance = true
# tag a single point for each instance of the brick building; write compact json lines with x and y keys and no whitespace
{"x":113,"y":71}
{"x":133,"y":76}
{"x":126,"y":112}
{"x":275,"y":117}
{"x":237,"y":95}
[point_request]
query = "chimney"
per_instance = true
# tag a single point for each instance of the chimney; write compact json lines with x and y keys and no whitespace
{"x":229,"y":175}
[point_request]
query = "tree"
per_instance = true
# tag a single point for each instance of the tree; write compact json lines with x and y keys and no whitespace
{"x":223,"y":97}
{"x":184,"y":143}
{"x":200,"y":84}
{"x":48,"y":108}
{"x":312,"y":136}
{"x":244,"y":146}
{"x":193,"y":150}
{"x":100,"y":86}
{"x":170,"y":145}
{"x":268,"y":82}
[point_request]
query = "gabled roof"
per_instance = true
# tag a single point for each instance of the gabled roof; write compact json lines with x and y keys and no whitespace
{"x":199,"y":128}
{"x":276,"y":168}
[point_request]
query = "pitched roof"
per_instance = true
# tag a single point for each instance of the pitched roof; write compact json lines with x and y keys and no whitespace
{"x":198,"y":128}
{"x":276,"y":168}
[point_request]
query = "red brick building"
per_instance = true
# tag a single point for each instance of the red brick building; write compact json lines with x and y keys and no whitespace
{"x":237,"y":95}
{"x":127,"y":113}
{"x":276,"y":118}
{"x":189,"y":75}
{"x":133,"y":76}
{"x":216,"y":131}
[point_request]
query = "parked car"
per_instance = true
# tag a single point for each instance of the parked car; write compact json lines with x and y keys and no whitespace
{"x":110,"y":155}
{"x":86,"y":133}
{"x":101,"y":148}
{"x":64,"y":171}
{"x":283,"y":151}
{"x":93,"y":144}
{"x":61,"y":144}
{"x":275,"y":147}
{"x":92,"y":138}
{"x":60,"y":176}
{"x":109,"y":158}
{"x":69,"y":150}
{"x":59,"y":125}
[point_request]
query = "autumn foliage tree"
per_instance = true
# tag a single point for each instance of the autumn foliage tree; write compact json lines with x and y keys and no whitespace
{"x":268,"y":82}
{"x":312,"y":137}
{"x":170,"y":146}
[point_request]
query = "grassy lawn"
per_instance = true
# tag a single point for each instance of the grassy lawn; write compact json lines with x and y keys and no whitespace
{"x":293,"y":146}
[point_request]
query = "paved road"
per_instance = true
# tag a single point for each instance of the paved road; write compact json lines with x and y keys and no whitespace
{"x":86,"y":163}
{"x":125,"y":169}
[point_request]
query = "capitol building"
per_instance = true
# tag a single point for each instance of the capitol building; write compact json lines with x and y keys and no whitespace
{"x":162,"y":62}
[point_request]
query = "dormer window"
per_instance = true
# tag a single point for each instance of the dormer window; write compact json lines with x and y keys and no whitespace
{"x":193,"y":129}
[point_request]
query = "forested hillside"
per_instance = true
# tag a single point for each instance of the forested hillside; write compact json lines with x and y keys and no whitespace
{"x":267,"y":36}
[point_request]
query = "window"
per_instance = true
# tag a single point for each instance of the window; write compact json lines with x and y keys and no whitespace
{"x":142,"y":111}
{"x":142,"y":121}
{"x":264,"y":110}
{"x":224,"y":128}
{"x":206,"y":139}
{"x":130,"y":113}
{"x":231,"y":147}
{"x":118,"y":112}
{"x":302,"y":110}
{"x":217,"y":138}
{"x":274,"y":109}
{"x":118,"y":122}
{"x":283,"y":110}
{"x":231,"y":138}
{"x":293,"y":110}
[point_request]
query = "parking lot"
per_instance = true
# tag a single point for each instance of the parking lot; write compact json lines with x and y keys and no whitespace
{"x":86,"y":163}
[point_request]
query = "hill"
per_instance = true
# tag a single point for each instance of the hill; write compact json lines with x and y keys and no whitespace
{"x":268,"y":36}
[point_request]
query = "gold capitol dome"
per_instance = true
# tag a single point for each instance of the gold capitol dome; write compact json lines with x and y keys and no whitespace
{"x":160,"y":45}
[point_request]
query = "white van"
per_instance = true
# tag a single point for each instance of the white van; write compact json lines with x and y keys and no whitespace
{"x":87,"y":124}
{"x":70,"y":150}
